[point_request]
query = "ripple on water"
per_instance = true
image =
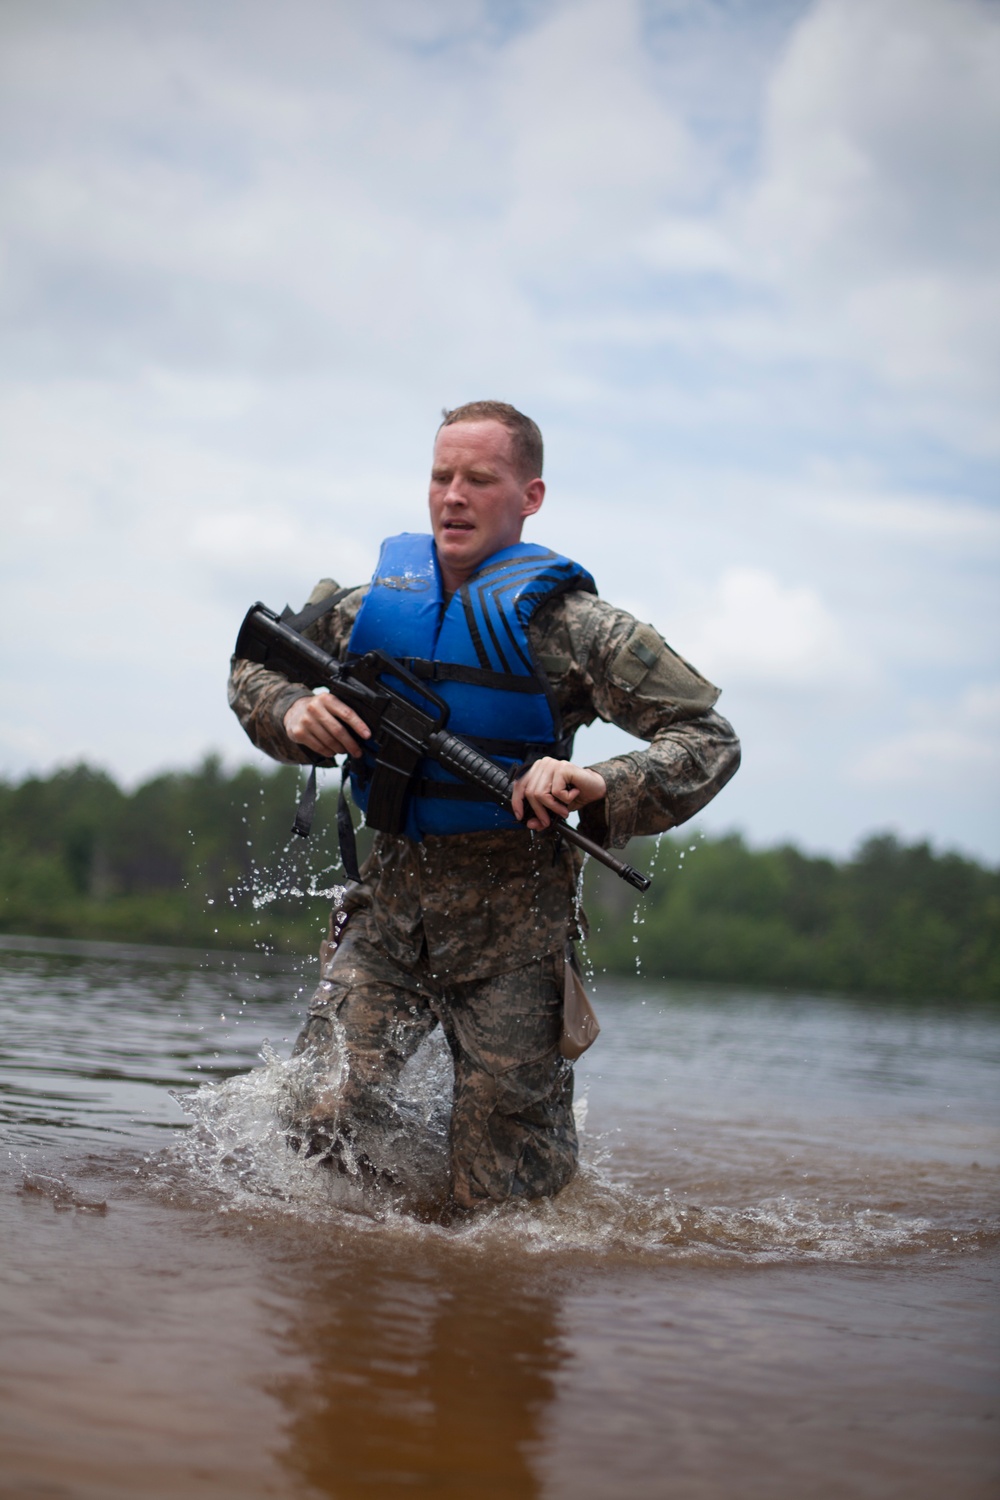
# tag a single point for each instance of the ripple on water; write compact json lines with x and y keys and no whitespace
{"x":789,"y":1129}
{"x":238,"y":1154}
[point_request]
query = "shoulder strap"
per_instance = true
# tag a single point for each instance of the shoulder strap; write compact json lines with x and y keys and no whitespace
{"x":312,"y":612}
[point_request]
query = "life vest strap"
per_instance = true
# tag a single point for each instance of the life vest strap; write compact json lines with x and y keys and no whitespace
{"x":449,"y":791}
{"x":345,"y":835}
{"x":444,"y":671}
{"x":505,"y":749}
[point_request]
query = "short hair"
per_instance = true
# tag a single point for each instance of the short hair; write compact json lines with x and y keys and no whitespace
{"x":526,"y":437}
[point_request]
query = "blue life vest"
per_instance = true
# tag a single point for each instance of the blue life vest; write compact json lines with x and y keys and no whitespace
{"x":476,"y":655}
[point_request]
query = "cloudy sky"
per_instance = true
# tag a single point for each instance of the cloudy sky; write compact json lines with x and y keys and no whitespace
{"x":738,"y":258}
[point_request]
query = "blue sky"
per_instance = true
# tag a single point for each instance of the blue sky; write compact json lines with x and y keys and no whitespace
{"x":738,"y":259}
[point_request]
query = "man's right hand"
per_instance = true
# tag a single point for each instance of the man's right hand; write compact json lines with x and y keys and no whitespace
{"x":325,"y":725}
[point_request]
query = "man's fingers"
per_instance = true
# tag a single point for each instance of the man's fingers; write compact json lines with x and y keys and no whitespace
{"x":334,"y":741}
{"x":328,"y":706}
{"x":326,"y":725}
{"x":321,"y":728}
{"x":343,"y":726}
{"x":543,"y":786}
{"x":555,"y":787}
{"x":546,"y":802}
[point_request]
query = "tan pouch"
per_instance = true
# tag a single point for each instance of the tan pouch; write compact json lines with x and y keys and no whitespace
{"x":581,"y":1027}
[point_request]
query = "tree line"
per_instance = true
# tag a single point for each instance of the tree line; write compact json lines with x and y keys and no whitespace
{"x":206,"y":858}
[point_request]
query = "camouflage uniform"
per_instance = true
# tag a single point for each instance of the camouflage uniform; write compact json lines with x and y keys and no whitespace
{"x":471,"y":930}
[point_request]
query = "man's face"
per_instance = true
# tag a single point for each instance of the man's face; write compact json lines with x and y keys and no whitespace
{"x":478,"y":500}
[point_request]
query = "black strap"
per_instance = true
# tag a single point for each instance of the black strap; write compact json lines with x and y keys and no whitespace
{"x":451,"y":791}
{"x":561,"y":750}
{"x":443,"y":671}
{"x":524,"y":756}
{"x":345,"y":835}
{"x":306,"y":810}
{"x":506,"y":749}
{"x":312,"y":612}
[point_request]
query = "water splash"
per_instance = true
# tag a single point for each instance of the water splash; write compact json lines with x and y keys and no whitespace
{"x":239,"y":1154}
{"x":279,"y":1133}
{"x":263,"y":894}
{"x":60,"y":1193}
{"x":596,"y":1215}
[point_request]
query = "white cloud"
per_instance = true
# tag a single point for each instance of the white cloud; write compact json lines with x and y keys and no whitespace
{"x":880,"y":124}
{"x":267,"y":539}
{"x":926,"y":520}
{"x":877,"y":210}
{"x":217,"y":204}
{"x":752,"y":629}
{"x":686,"y":243}
{"x":923,"y":756}
{"x":734,"y":261}
{"x":865,"y":238}
{"x":593,"y":150}
{"x":960,"y":742}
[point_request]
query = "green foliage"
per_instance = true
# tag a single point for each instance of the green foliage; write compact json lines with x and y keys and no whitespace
{"x":205,"y":858}
{"x":894,"y":920}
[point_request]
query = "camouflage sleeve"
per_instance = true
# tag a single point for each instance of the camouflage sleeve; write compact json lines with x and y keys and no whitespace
{"x":604,"y":664}
{"x":260,"y":699}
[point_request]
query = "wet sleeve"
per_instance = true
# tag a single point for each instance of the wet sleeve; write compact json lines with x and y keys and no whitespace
{"x":260,"y":698}
{"x":632,"y":678}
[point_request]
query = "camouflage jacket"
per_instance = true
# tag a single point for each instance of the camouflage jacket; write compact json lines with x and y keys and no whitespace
{"x":484,"y":903}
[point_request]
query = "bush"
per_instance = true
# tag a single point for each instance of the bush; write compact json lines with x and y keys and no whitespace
{"x":894,"y":920}
{"x":205,"y":858}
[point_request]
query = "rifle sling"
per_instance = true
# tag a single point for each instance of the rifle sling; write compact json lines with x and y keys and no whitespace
{"x":345,"y":835}
{"x":306,"y":810}
{"x":312,"y":612}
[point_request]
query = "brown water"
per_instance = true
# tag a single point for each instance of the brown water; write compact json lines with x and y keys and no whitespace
{"x":776,"y":1275}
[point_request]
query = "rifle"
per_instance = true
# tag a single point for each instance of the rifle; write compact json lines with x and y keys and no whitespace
{"x":403,"y":731}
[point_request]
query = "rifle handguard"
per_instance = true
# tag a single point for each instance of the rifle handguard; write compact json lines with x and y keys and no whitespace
{"x":465,"y":761}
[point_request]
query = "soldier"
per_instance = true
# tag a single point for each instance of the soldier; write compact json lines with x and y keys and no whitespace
{"x":466,"y":919}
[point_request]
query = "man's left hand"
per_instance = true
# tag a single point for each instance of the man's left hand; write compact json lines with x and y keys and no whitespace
{"x":555,"y":787}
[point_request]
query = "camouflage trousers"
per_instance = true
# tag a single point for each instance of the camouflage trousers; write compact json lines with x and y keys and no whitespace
{"x":512,"y":1132}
